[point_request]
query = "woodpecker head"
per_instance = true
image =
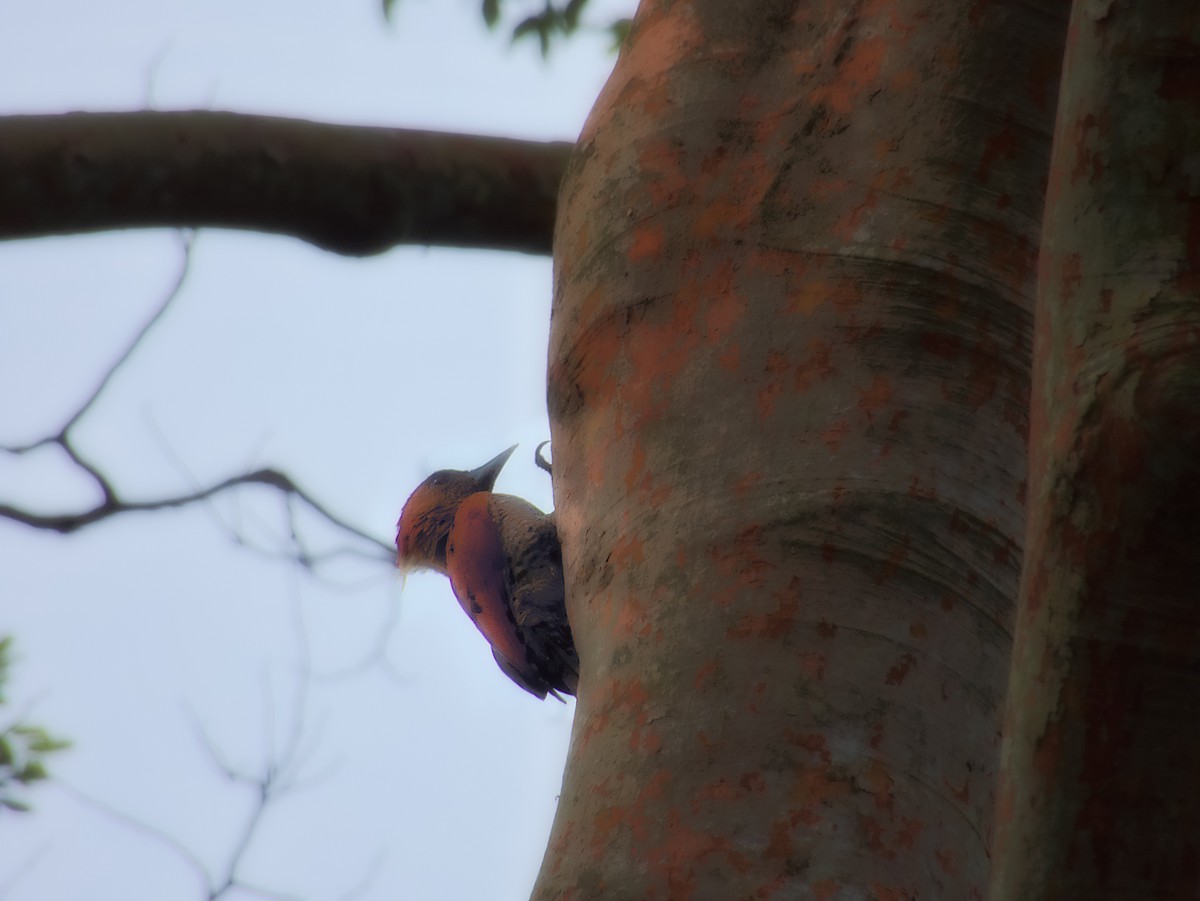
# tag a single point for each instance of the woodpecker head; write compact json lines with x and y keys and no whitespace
{"x":428,"y":515}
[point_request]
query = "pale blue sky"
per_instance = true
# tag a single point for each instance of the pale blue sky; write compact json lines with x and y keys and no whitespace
{"x":432,"y":778}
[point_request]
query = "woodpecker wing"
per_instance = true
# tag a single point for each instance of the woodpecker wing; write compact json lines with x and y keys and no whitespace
{"x":481,"y":578}
{"x":535,"y":589}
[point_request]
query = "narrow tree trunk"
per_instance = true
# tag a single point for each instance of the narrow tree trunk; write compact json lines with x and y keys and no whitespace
{"x":1100,"y":796}
{"x":788,"y":390}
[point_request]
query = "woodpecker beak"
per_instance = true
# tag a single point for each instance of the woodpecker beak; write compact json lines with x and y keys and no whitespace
{"x":487,"y":474}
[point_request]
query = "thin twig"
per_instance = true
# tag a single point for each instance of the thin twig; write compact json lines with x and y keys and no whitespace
{"x":113,"y":504}
{"x":158,"y":834}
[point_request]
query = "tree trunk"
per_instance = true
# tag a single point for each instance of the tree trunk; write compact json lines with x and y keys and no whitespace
{"x":1102,"y":750}
{"x":789,"y":374}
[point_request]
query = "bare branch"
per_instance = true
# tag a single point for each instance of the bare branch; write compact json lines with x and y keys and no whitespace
{"x":24,"y":869}
{"x":112,"y":504}
{"x":195,"y":864}
{"x":188,"y":242}
{"x":65,"y":523}
{"x":351,"y":190}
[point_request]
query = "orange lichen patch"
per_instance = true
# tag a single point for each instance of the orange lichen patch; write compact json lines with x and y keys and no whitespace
{"x":780,"y":845}
{"x":676,"y":860}
{"x":752,"y":783}
{"x":663,"y":177}
{"x":644,"y":737}
{"x":705,"y":675}
{"x":664,"y":39}
{"x":632,"y":618}
{"x":828,"y":551}
{"x":880,"y":784}
{"x":1188,"y":279}
{"x":825,"y":889}
{"x":876,"y":739}
{"x":848,"y":225}
{"x":816,"y":368}
{"x":1048,"y":752}
{"x":775,"y":624}
{"x":984,"y":376}
{"x":941,"y":344}
{"x":772,"y":384}
{"x":1180,"y":79}
{"x":1005,"y":552}
{"x":918,"y":630}
{"x":637,"y":464}
{"x":730,"y":358}
{"x":605,"y":823}
{"x":810,"y":296}
{"x":881,"y":892}
{"x":1071,"y":277}
{"x":884,"y":147}
{"x":721,"y":790}
{"x":720,"y":216}
{"x":616,"y":696}
{"x":1000,"y":146}
{"x":627,"y":550}
{"x":857,"y":74}
{"x":873,"y":837}
{"x":647,"y":243}
{"x":743,"y":485}
{"x":908,"y":833}
{"x":834,"y":434}
{"x":899,"y":672}
{"x":919,"y":488}
{"x":947,"y":58}
{"x":813,"y":665}
{"x":874,"y":397}
{"x":945,"y":860}
{"x":812,"y":742}
{"x":829,"y":190}
{"x":961,"y":795}
{"x":767,"y":127}
{"x":895,"y":559}
{"x":1088,"y":163}
{"x":902,"y":80}
{"x":725,"y":306}
{"x":739,"y":561}
{"x":815,"y":788}
{"x":558,"y":847}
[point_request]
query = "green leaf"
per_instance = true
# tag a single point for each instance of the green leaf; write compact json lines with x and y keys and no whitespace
{"x":620,"y":32}
{"x":388,"y":6}
{"x":570,"y":14}
{"x":491,"y":12}
{"x":14,"y":804}
{"x":31,"y":772}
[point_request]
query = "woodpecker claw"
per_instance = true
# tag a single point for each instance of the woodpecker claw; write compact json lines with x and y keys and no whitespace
{"x":542,"y":462}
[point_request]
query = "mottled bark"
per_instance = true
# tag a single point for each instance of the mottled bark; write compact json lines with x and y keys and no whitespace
{"x":1100,"y":796}
{"x":349,"y":189}
{"x":789,"y":374}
